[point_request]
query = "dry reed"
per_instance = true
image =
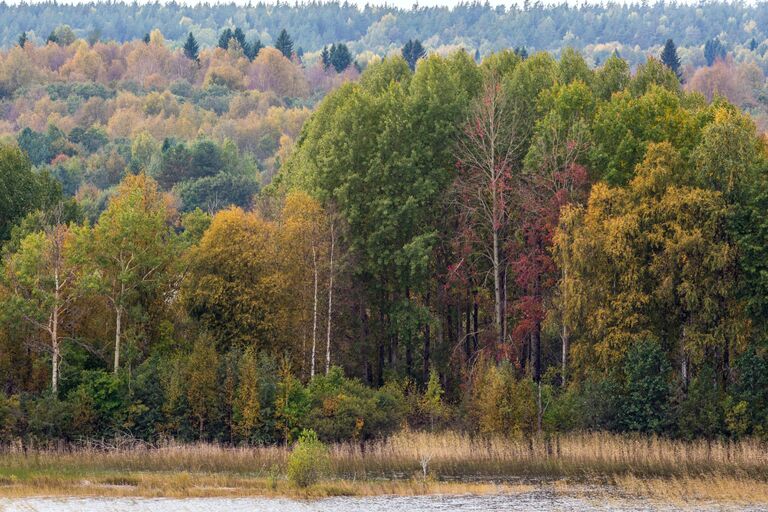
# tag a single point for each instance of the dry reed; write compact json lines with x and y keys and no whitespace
{"x":406,"y":463}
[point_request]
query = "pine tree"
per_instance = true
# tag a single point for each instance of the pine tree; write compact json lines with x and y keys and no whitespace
{"x":284,"y":43}
{"x":326,"y":58}
{"x":412,"y":52}
{"x":752,"y":45}
{"x":713,"y":51}
{"x":252,"y":50}
{"x":340,"y":58}
{"x":240,"y":37}
{"x":23,"y":39}
{"x":191,"y":48}
{"x":224,"y":38}
{"x":145,"y":39}
{"x":670,"y":59}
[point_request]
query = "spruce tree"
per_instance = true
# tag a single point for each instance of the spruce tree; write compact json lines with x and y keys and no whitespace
{"x":412,"y":52}
{"x":284,"y":43}
{"x":191,"y":48}
{"x":252,"y":50}
{"x":23,"y":39}
{"x":670,"y":59}
{"x":145,"y":39}
{"x":340,"y":58}
{"x":224,"y":38}
{"x":240,"y":37}
{"x":713,"y":51}
{"x":326,"y":58}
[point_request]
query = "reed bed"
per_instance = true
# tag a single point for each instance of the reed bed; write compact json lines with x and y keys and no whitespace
{"x":406,"y":463}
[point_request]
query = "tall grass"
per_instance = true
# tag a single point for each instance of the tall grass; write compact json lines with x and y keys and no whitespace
{"x":200,"y":469}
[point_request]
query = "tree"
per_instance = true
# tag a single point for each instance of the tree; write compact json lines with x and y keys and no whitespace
{"x":247,"y":406}
{"x":252,"y":50}
{"x":22,"y":39}
{"x":488,"y":154}
{"x":412,"y":52}
{"x":21,"y":189}
{"x":191,"y":49}
{"x":146,"y":38}
{"x":201,"y":382}
{"x":325,"y":58}
{"x":670,"y":59}
{"x":129,"y":250}
{"x":224,"y":38}
{"x":239,"y":36}
{"x":284,"y":44}
{"x":339,"y":57}
{"x":42,"y":278}
{"x":646,"y":388}
{"x":713,"y":51}
{"x":236,"y":289}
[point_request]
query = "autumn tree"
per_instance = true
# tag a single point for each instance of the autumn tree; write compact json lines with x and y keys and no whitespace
{"x":130,"y":249}
{"x":488,"y":154}
{"x":236,"y":288}
{"x":42,"y":278}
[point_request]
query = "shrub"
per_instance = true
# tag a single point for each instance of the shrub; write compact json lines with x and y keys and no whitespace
{"x":345,"y":409}
{"x":309,"y":461}
{"x":501,"y":404}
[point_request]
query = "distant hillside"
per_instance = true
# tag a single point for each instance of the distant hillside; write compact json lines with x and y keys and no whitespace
{"x":597,"y":30}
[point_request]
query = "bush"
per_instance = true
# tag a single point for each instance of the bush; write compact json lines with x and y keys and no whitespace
{"x":646,"y":388}
{"x":344,"y":409}
{"x":501,"y":404}
{"x":309,"y":461}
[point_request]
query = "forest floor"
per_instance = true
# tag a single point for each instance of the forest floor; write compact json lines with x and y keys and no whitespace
{"x":406,"y":464}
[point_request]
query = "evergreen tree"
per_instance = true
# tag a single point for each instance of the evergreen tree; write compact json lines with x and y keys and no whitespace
{"x":240,"y":37}
{"x":252,"y":50}
{"x":146,"y":38}
{"x":412,"y":52}
{"x":191,"y":48}
{"x":340,"y":58}
{"x":224,"y":38}
{"x":752,"y":45}
{"x":23,"y":39}
{"x":326,"y":58}
{"x":713,"y":50}
{"x":284,"y":43}
{"x":670,"y":59}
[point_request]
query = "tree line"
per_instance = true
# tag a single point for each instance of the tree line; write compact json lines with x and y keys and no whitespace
{"x":508,"y":247}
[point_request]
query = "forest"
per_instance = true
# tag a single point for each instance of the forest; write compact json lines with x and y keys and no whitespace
{"x":237,"y":242}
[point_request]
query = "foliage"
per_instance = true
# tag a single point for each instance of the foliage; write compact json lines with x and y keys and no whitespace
{"x":309,"y":461}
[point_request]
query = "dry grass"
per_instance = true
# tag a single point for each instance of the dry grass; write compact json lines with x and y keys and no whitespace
{"x":407,"y":463}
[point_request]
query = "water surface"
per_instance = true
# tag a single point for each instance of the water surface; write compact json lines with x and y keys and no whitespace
{"x":537,"y":501}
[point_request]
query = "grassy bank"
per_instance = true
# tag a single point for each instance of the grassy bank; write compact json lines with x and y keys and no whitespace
{"x":408,"y":463}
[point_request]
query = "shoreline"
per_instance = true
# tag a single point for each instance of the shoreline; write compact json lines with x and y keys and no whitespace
{"x":185,"y":485}
{"x":406,"y":464}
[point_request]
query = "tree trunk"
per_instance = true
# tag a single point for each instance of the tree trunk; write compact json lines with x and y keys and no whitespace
{"x":497,"y":290}
{"x":314,"y":312}
{"x":330,"y":305}
{"x":564,"y":338}
{"x":468,"y":332}
{"x":56,"y":351}
{"x":475,"y":320}
{"x":118,"y":326}
{"x":426,"y":355}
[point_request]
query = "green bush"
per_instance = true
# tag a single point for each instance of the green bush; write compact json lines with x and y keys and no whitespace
{"x":309,"y":461}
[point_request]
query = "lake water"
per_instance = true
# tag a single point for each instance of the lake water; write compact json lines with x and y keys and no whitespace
{"x":537,"y":501}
